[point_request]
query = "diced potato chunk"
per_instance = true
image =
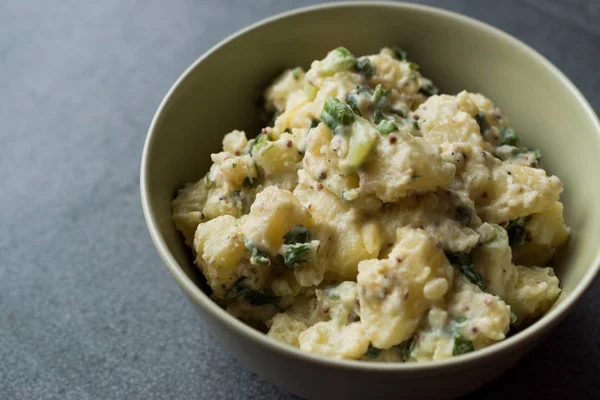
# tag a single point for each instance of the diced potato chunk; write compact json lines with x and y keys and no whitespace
{"x":272,"y":215}
{"x":443,"y":214}
{"x":232,"y":170}
{"x":187,"y":209}
{"x":278,"y":161}
{"x":219,"y":245}
{"x":487,"y":316}
{"x":544,"y":232}
{"x":235,"y":142}
{"x":449,"y":119}
{"x":334,"y":340}
{"x":286,"y":329}
{"x":536,"y":291}
{"x":501,"y":192}
{"x":340,"y":302}
{"x":397,"y":75}
{"x":494,"y":260}
{"x":346,"y":235}
{"x":410,"y":164}
{"x":288,"y":82}
{"x":397,"y":291}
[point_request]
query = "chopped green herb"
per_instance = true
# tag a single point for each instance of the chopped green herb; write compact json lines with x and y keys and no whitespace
{"x":334,"y":297}
{"x":461,"y":345}
{"x":380,"y":98}
{"x":257,"y":257}
{"x":406,"y":348}
{"x":464,"y":263}
{"x":314,"y":123}
{"x":373,"y":352}
{"x":237,"y":288}
{"x":398,"y":112}
{"x":353,"y":103}
{"x":533,"y":156}
{"x":510,"y":137}
{"x":364,"y":91}
{"x":386,"y":126}
{"x":337,"y":60}
{"x":233,"y":165}
{"x":298,"y":234}
{"x":429,"y":90}
{"x":288,"y":130}
{"x":296,"y":255}
{"x":296,"y":73}
{"x":482,"y":121}
{"x":413,"y":66}
{"x":261,"y":142}
{"x":516,"y":231}
{"x":240,"y":289}
{"x":463,"y":214}
{"x":210,"y":183}
{"x":399,"y":53}
{"x":260,"y":298}
{"x":513,"y":317}
{"x":365,"y":67}
{"x":415,"y":123}
{"x":336,"y":113}
{"x":250,"y":182}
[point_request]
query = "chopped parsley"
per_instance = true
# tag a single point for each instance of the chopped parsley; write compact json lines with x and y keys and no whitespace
{"x":257,"y":256}
{"x":373,"y":352}
{"x":509,"y":137}
{"x":250,"y":182}
{"x":464,"y":263}
{"x":296,"y":73}
{"x":365,"y":67}
{"x":428,"y":90}
{"x":241,"y":290}
{"x":353,"y":103}
{"x":482,"y":121}
{"x":463,"y":214}
{"x":260,"y":298}
{"x":334,"y":296}
{"x":413,"y":66}
{"x":461,"y":345}
{"x":380,"y":98}
{"x":406,"y":348}
{"x":298,"y":234}
{"x":210,"y":183}
{"x":516,"y":231}
{"x":400,"y":53}
{"x":296,"y":255}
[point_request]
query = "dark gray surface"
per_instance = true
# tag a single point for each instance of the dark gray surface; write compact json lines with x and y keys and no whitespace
{"x":87,"y":310}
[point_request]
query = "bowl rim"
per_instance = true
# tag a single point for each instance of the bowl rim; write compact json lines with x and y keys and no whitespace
{"x":522,"y":338}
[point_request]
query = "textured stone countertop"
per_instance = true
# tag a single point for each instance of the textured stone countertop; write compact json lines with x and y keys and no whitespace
{"x":87,"y":311}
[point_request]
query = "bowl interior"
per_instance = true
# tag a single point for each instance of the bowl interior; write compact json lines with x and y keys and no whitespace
{"x":220,"y":93}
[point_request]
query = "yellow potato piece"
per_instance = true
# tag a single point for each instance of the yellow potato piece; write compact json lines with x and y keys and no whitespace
{"x":409,"y":164}
{"x":397,"y":291}
{"x":346,"y":235}
{"x":274,"y":212}
{"x":219,"y":245}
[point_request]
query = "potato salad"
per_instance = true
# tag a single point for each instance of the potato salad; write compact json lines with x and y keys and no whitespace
{"x":374,"y":218}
